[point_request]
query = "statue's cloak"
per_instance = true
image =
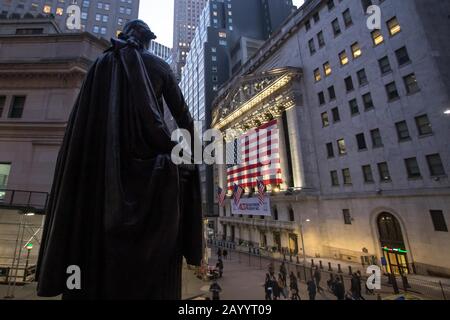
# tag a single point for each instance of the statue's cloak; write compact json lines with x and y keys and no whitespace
{"x":119,"y":209}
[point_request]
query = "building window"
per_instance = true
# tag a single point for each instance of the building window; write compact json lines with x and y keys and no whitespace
{"x":316,"y":17}
{"x":334,"y":178}
{"x":347,"y":216}
{"x":47,"y":9}
{"x":377,"y":141}
{"x":341,"y":147}
{"x":307,"y":25}
{"x":17,"y":105}
{"x":327,"y":69}
{"x":368,"y":102}
{"x":336,"y":27}
{"x":439,"y":223}
{"x":402,"y":131}
{"x":391,"y":90}
{"x":312,"y":47}
{"x":330,"y":4}
{"x":402,"y":56}
{"x":393,"y":26}
{"x":362,"y":77}
{"x":367,"y":174}
{"x":343,"y":58}
{"x":423,"y":125}
{"x":412,"y":168}
{"x":291,"y":215}
{"x":2,"y":104}
{"x":383,"y":170}
{"x":347,"y":18}
{"x":336,"y":115}
{"x":5,"y":169}
{"x":349,"y":84}
{"x":321,"y":97}
{"x":361,"y":141}
{"x":377,"y":37}
{"x":385,"y":66}
{"x":411,"y":83}
{"x":366,"y":4}
{"x":321,"y":39}
{"x":354,"y":108}
{"x":317,"y":75}
{"x":330,"y":150}
{"x":356,"y":50}
{"x":331,"y":93}
{"x":435,"y":165}
{"x":325,"y":120}
{"x":347,"y":176}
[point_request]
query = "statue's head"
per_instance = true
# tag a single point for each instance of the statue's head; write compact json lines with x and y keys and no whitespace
{"x":139,"y":31}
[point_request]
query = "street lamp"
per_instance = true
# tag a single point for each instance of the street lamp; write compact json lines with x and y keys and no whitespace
{"x":303,"y":246}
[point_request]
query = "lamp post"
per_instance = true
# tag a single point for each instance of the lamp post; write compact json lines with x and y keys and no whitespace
{"x":303,"y":247}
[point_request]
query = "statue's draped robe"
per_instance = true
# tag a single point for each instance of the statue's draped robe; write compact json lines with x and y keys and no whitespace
{"x":119,"y":209}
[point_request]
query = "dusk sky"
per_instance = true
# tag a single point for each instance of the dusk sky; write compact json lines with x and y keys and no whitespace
{"x":159,"y":15}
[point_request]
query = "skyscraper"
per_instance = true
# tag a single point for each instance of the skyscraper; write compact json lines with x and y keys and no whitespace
{"x":226,"y":37}
{"x":102,"y":18}
{"x":160,"y":50}
{"x":186,"y":19}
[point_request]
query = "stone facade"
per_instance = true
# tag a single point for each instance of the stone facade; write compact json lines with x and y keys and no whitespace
{"x":344,"y":221}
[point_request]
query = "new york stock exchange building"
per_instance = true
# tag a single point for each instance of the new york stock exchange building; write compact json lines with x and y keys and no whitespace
{"x":358,"y":173}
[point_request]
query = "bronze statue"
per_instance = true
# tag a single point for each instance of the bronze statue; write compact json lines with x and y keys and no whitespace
{"x":119,"y":209}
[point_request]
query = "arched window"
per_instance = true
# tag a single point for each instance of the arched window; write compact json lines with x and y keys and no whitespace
{"x":390,"y":231}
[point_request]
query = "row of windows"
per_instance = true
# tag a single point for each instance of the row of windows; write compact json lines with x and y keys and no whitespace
{"x":437,"y":217}
{"x":434,"y":162}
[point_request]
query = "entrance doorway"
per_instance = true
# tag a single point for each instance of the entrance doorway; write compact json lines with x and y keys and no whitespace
{"x":293,"y":243}
{"x":393,"y":245}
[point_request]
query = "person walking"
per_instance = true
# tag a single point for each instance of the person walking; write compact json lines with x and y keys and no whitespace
{"x":312,"y":290}
{"x":215,"y":289}
{"x":219,"y":253}
{"x":219,"y":266}
{"x":268,"y":287}
{"x":276,"y":288}
{"x":282,"y":286}
{"x":339,"y":290}
{"x":359,"y":286}
{"x":318,"y":277}
{"x":283,"y":271}
{"x":225,"y":254}
{"x":293,"y":284}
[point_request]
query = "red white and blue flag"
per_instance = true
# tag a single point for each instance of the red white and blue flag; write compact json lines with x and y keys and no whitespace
{"x":221,"y":195}
{"x":237,"y":194}
{"x":255,"y":157}
{"x":261,"y":191}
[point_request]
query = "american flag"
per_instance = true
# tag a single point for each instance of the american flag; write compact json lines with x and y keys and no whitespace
{"x":255,"y":157}
{"x":261,"y":191}
{"x":237,"y":194}
{"x":221,"y":194}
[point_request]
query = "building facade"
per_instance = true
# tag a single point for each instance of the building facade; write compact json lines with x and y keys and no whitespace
{"x":40,"y":77}
{"x":160,"y":50}
{"x":226,"y":37}
{"x":186,"y":19}
{"x":363,"y":126}
{"x":103,"y":18}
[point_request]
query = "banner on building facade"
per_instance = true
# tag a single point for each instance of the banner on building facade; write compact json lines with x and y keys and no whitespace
{"x":252,"y":207}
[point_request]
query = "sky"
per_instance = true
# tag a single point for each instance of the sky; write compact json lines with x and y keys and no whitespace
{"x":159,"y":16}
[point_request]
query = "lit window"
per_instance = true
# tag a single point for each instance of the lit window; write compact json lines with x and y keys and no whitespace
{"x":393,"y":26}
{"x":341,"y":147}
{"x":356,"y":50}
{"x":317,"y":75}
{"x":59,"y":11}
{"x":377,"y":37}
{"x":4,"y":174}
{"x":222,"y":35}
{"x":343,"y":58}
{"x":327,"y":68}
{"x":47,"y":9}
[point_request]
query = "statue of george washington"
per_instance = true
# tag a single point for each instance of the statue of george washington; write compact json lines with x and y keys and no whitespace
{"x":119,"y":209}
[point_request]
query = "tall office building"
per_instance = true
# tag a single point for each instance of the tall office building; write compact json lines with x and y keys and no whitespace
{"x":362,"y":149}
{"x":102,"y":18}
{"x":186,"y":19}
{"x":225,"y":38}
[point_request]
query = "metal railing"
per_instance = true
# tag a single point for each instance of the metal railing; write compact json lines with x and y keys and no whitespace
{"x":29,"y":201}
{"x":392,"y":285}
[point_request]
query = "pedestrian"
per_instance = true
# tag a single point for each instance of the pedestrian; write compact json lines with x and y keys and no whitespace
{"x":219,"y":266}
{"x":268,"y":287}
{"x":339,"y":290}
{"x":283,"y":271}
{"x":215,"y":289}
{"x":225,"y":254}
{"x":293,"y":284}
{"x":354,"y":287}
{"x":271,"y":268}
{"x":318,"y":277}
{"x":359,"y":286}
{"x":312,"y":289}
{"x":219,"y":253}
{"x":276,"y":288}
{"x":282,"y":286}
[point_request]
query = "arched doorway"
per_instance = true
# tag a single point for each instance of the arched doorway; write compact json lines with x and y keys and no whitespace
{"x":393,"y":244}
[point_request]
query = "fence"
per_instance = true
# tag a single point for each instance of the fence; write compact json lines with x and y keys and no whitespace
{"x":390,"y":284}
